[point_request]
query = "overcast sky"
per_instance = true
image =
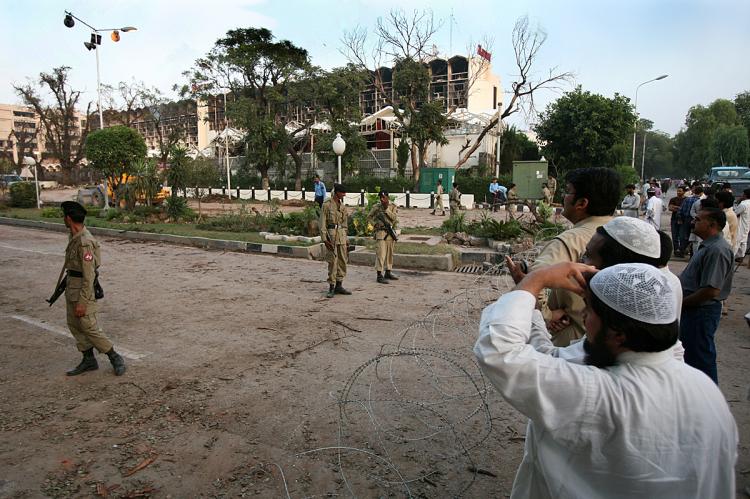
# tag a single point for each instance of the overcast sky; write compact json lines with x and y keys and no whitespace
{"x":610,"y":45}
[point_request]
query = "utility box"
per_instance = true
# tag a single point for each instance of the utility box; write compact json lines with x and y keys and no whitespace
{"x":428,"y":178}
{"x":529,"y":177}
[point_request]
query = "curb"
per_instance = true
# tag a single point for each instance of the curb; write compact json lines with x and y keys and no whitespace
{"x":314,"y":252}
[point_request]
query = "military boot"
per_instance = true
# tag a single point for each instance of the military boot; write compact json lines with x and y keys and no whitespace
{"x":118,"y":363}
{"x":340,"y":290}
{"x":381,"y":279}
{"x":88,"y":363}
{"x":389,"y":275}
{"x":331,"y":291}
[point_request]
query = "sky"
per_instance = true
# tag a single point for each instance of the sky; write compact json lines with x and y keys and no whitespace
{"x":611,"y":46}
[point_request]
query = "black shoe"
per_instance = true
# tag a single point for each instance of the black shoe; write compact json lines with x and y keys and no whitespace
{"x":339,"y":290}
{"x":432,"y":213}
{"x":331,"y":291}
{"x":381,"y":279}
{"x":389,"y":275}
{"x":88,"y":363}
{"x":118,"y":363}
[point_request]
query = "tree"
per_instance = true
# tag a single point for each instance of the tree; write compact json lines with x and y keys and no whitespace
{"x":742,"y":105}
{"x":729,"y":145}
{"x":582,"y":129}
{"x":331,"y":96}
{"x":402,"y":157}
{"x":158,"y":110}
{"x":698,"y":147}
{"x":23,"y":136}
{"x":258,"y":71}
{"x":64,"y":136}
{"x":202,"y":174}
{"x":114,"y":151}
{"x":403,"y":40}
{"x":527,"y":42}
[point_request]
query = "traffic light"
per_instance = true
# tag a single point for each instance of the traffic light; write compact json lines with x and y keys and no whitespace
{"x":115,"y":36}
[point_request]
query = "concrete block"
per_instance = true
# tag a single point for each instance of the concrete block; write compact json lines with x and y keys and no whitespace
{"x":269,"y":248}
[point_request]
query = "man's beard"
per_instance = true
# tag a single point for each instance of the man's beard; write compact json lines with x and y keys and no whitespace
{"x":597,"y":352}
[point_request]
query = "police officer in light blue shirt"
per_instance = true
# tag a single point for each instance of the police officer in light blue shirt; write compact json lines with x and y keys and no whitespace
{"x":499,"y":193}
{"x":320,"y":191}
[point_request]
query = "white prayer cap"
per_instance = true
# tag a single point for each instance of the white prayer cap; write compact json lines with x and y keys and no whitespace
{"x":635,"y":234}
{"x":636,"y":290}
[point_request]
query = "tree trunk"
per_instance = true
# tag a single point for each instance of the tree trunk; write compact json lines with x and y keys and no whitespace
{"x":264,"y":176}
{"x":297,"y":157}
{"x":67,"y":172}
{"x":415,"y":166}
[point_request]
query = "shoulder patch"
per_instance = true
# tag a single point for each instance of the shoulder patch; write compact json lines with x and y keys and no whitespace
{"x":88,"y":256}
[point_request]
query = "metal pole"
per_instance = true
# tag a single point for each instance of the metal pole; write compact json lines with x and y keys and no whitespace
{"x":226,"y":147}
{"x":101,"y":121}
{"x":497,"y":144}
{"x":643,"y":157}
{"x":635,"y":127}
{"x":339,"y":157}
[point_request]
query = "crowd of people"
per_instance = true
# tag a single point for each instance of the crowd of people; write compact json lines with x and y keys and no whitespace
{"x":612,"y":356}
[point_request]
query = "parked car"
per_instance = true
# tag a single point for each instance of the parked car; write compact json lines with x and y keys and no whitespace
{"x":9,"y":179}
{"x":727,"y":173}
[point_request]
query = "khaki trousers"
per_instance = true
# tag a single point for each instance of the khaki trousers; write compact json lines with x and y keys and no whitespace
{"x":384,"y":254}
{"x":86,"y":329}
{"x":336,"y":263}
{"x":439,"y":204}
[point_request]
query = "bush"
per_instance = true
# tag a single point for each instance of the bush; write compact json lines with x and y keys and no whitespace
{"x":455,"y":223}
{"x":113,"y":214}
{"x":52,"y":212}
{"x":627,"y":175}
{"x":374,"y":184}
{"x":23,"y":195}
{"x":177,"y":208}
{"x":494,"y":229}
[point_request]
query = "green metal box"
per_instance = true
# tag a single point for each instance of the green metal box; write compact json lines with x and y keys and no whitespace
{"x":428,"y":178}
{"x":529,"y":177}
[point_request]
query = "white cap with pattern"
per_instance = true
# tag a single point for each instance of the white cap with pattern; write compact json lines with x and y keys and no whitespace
{"x":636,"y":235}
{"x":636,"y":290}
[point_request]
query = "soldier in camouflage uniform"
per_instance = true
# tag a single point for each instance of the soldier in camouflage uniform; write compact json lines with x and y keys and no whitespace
{"x":82,"y":257}
{"x":381,"y":214}
{"x":333,"y":231}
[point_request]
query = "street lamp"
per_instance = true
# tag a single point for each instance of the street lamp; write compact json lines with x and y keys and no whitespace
{"x":29,"y":161}
{"x":635,"y":125}
{"x":96,"y":39}
{"x":339,"y":146}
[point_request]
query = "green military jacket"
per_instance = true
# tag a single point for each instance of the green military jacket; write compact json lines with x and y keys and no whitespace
{"x":82,"y":256}
{"x":455,"y":197}
{"x":334,"y":222}
{"x":378,"y":214}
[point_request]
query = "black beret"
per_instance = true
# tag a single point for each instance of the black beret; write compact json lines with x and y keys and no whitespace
{"x":71,"y":208}
{"x":339,"y":188}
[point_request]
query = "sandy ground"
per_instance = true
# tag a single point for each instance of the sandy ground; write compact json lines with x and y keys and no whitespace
{"x":244,"y":380}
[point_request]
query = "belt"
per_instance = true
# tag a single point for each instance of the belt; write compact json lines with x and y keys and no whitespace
{"x":332,"y":226}
{"x":75,"y":273}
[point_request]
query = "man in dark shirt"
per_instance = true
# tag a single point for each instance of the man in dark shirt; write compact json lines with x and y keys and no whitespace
{"x":686,"y":219}
{"x":706,"y":282}
{"x":676,"y":221}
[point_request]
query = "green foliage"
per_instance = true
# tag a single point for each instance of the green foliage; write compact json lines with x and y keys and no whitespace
{"x":515,"y":146}
{"x":455,"y":223}
{"x":548,"y":230}
{"x":23,"y":195}
{"x":582,"y":129}
{"x":544,"y":210}
{"x":742,"y":105}
{"x":627,"y":175}
{"x":295,"y":223}
{"x":356,"y":146}
{"x":177,"y":174}
{"x":177,"y":208}
{"x":729,"y":145}
{"x":114,"y":151}
{"x":374,"y":184}
{"x":358,"y":224}
{"x":426,"y":125}
{"x":145,"y":180}
{"x":52,"y":212}
{"x":495,"y":229}
{"x":710,"y":133}
{"x":402,"y":157}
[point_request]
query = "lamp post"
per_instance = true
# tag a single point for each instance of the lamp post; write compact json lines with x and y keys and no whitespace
{"x":643,"y":155}
{"x":226,"y":147}
{"x":339,"y":146}
{"x":96,"y":40}
{"x":29,"y":161}
{"x":635,"y":125}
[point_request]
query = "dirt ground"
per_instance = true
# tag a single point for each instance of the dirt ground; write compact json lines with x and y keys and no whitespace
{"x":244,"y":380}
